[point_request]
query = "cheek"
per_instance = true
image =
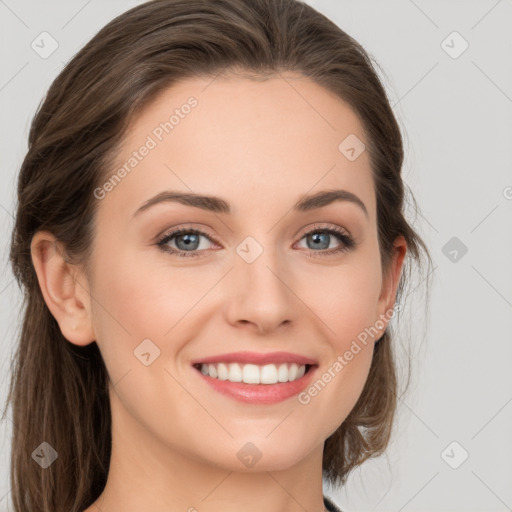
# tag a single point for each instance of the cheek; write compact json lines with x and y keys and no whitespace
{"x":126,"y":309}
{"x":344,"y":299}
{"x":345,"y":302}
{"x":139,"y":298}
{"x":133,"y":304}
{"x":339,"y":383}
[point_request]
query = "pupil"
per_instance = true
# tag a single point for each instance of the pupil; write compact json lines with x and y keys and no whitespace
{"x":187,"y":239}
{"x":317,"y":238}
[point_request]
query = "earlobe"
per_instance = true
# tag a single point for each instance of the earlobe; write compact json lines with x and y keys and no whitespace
{"x":389,"y":289}
{"x":64,"y":288}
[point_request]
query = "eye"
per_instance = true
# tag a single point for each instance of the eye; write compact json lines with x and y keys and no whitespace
{"x":320,"y":238}
{"x":187,"y":242}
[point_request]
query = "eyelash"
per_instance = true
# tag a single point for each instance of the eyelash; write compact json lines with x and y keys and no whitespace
{"x":347,"y":242}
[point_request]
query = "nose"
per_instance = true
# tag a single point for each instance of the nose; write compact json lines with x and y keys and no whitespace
{"x":262,"y":297}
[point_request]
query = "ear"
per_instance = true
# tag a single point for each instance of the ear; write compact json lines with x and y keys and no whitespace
{"x":390,"y":283}
{"x":64,"y":287}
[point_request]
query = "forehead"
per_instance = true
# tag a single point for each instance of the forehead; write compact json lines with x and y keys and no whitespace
{"x":241,"y":138}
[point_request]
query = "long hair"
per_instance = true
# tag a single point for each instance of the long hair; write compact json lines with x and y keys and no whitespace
{"x":59,"y":391}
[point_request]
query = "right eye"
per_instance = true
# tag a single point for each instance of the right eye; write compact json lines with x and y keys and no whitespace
{"x":186,"y":240}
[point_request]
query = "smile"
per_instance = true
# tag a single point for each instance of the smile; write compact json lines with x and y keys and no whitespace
{"x":252,"y":373}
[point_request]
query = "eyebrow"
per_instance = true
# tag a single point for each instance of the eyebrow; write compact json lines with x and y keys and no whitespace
{"x":218,"y":205}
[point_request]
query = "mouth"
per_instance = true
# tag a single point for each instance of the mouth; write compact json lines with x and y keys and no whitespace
{"x":267,"y":374}
{"x":257,"y":378}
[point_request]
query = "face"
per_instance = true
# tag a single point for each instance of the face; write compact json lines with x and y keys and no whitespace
{"x":259,"y":279}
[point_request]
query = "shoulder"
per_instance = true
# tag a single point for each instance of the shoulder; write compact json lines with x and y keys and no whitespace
{"x":330,"y":506}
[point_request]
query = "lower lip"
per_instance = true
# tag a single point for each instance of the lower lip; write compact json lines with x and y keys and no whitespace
{"x":259,"y":393}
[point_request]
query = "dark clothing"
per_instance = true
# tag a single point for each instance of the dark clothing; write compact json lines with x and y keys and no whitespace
{"x":330,"y":506}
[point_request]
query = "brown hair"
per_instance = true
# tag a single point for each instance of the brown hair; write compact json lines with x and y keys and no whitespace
{"x":59,"y":391}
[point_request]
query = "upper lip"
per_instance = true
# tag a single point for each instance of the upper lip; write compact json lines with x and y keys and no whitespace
{"x":258,"y":358}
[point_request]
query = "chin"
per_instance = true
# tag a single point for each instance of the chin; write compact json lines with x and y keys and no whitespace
{"x":260,"y":453}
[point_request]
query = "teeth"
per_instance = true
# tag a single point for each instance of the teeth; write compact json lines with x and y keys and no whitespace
{"x":222,"y":371}
{"x":212,"y":370}
{"x":268,"y":374}
{"x":250,"y":374}
{"x":254,"y":374}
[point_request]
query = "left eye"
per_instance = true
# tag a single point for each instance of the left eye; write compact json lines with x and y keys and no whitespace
{"x":320,"y":239}
{"x":188,"y":241}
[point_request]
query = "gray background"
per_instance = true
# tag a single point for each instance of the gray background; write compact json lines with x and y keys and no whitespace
{"x":456,"y":113}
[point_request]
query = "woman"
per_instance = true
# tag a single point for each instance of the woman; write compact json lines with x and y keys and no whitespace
{"x":211,"y":239}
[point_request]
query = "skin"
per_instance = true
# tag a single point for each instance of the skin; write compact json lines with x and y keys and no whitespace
{"x":261,"y":146}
